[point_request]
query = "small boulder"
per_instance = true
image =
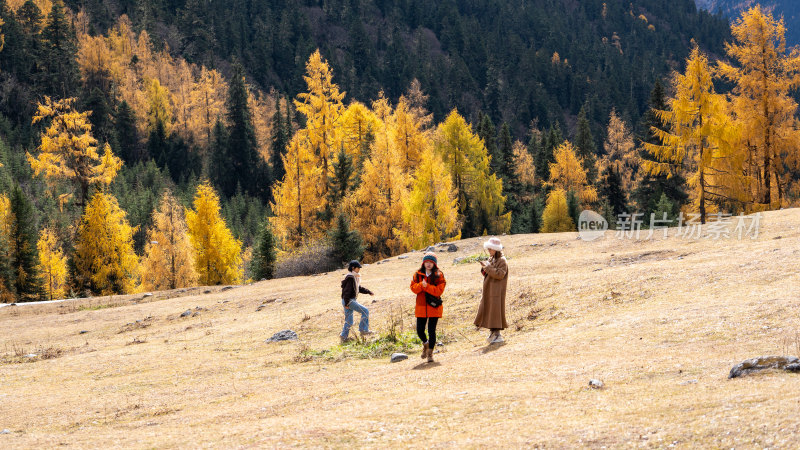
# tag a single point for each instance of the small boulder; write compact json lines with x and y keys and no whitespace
{"x":5,"y":431}
{"x":397,"y":357}
{"x":207,"y":291}
{"x":429,"y":249}
{"x":226,"y":288}
{"x":452,"y":248}
{"x":285,"y":335}
{"x":83,"y":332}
{"x":748,"y":366}
{"x":402,"y":257}
{"x":596,"y":384}
{"x":186,"y":313}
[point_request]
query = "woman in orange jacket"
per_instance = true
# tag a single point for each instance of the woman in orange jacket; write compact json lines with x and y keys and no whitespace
{"x":428,"y":283}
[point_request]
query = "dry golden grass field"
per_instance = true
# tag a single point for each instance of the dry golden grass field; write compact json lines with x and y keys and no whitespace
{"x":660,"y":322}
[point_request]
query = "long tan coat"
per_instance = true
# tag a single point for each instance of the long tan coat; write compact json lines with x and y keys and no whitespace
{"x":492,"y":311}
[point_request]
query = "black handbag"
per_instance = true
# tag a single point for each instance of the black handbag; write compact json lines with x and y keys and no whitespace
{"x":433,"y":300}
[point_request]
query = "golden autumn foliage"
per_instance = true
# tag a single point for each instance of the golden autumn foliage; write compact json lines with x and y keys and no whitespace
{"x":52,"y":264}
{"x":298,"y":200}
{"x":6,"y":295}
{"x":168,"y":261}
{"x":555,"y":217}
{"x":409,"y":135}
{"x":524,"y":166}
{"x":376,"y":207}
{"x":359,"y":125}
{"x":187,"y":98}
{"x":480,"y":193}
{"x":104,"y":258}
{"x":2,"y":36}
{"x":701,"y":140}
{"x":568,"y":173}
{"x":323,"y":109}
{"x":159,"y":110}
{"x":621,"y":154}
{"x":763,"y":104}
{"x":218,"y":255}
{"x":44,"y":6}
{"x":430,"y":212}
{"x":69,"y":151}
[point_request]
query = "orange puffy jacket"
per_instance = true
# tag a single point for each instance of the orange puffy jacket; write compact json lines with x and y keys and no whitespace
{"x":423,"y":309}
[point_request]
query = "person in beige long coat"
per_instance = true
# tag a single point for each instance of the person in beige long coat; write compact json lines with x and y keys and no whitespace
{"x":492,"y":310}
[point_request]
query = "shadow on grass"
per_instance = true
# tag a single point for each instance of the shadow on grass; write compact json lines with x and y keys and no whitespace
{"x":491,"y":348}
{"x":426,"y":365}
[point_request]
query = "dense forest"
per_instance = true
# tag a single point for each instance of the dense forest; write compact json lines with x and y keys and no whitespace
{"x":221,"y":136}
{"x":789,"y":9}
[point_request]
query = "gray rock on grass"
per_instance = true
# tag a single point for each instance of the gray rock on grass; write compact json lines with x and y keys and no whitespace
{"x":748,"y":366}
{"x":596,"y":384}
{"x":397,"y":357}
{"x":285,"y":335}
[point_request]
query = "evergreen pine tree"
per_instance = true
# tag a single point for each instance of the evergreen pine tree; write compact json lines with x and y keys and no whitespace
{"x":60,"y":76}
{"x":584,"y":144}
{"x":23,"y":251}
{"x":573,"y":207}
{"x":246,"y":165}
{"x":488,"y":133}
{"x":127,"y":136}
{"x":347,"y":244}
{"x":506,"y":149}
{"x":263,"y":264}
{"x":536,"y":210}
{"x":280,"y":141}
{"x":611,"y":190}
{"x":341,"y":183}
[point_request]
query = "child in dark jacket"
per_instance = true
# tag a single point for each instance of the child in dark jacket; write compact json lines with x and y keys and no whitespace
{"x":351,"y":287}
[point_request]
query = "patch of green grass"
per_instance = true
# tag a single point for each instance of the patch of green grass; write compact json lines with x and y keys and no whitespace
{"x":382,"y":347}
{"x":471,"y":259}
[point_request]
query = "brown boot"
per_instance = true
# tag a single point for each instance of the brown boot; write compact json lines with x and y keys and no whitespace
{"x":424,"y":350}
{"x":430,"y":355}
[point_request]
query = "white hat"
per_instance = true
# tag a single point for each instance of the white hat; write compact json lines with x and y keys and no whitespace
{"x":493,"y":244}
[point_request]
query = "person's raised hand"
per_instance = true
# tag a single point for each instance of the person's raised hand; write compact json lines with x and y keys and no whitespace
{"x":424,"y":283}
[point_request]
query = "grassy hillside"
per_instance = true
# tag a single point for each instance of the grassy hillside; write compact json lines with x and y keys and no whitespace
{"x":660,"y":322}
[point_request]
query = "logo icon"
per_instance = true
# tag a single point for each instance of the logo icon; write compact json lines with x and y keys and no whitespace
{"x":591,"y":225}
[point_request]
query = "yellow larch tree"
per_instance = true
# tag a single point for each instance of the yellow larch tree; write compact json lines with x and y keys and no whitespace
{"x":568,"y":173}
{"x":555,"y":218}
{"x":430,"y":212}
{"x":359,"y":125}
{"x":409,"y":135}
{"x":263,"y":109}
{"x":105,"y":262}
{"x":6,"y":294}
{"x":322,"y":106}
{"x":621,"y":154}
{"x":207,"y":99}
{"x":168,"y":261}
{"x":160,"y":110}
{"x":524,"y":166}
{"x":69,"y":151}
{"x":701,"y":140}
{"x":376,"y":207}
{"x":298,"y":200}
{"x":218,"y":254}
{"x":480,"y":200}
{"x":52,"y":264}
{"x":763,"y":104}
{"x":2,"y":36}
